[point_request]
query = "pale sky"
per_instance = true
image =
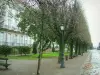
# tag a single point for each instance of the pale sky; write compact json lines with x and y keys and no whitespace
{"x":92,"y":11}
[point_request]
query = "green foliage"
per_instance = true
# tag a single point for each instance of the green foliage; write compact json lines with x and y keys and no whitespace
{"x":23,"y":49}
{"x":5,"y":50}
{"x":51,"y":17}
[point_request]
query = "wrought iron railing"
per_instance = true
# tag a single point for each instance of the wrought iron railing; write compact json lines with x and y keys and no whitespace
{"x":14,"y":44}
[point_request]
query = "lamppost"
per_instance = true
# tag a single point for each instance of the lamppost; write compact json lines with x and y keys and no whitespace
{"x":62,"y":47}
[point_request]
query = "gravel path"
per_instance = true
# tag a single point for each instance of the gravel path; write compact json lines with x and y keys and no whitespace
{"x":48,"y":67}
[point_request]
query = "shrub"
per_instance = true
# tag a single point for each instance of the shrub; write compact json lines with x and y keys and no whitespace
{"x":5,"y":50}
{"x":14,"y":51}
{"x":23,"y":49}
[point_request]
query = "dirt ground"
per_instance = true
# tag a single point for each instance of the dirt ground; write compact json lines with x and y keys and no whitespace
{"x":48,"y":67}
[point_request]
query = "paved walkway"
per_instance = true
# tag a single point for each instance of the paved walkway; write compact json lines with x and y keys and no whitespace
{"x":92,"y":64}
{"x":48,"y":67}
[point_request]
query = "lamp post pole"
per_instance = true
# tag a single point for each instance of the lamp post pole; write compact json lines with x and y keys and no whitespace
{"x":62,"y":47}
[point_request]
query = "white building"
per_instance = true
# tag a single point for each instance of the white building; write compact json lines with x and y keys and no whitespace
{"x":10,"y":34}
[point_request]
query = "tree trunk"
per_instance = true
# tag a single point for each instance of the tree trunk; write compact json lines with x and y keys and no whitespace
{"x":76,"y":48}
{"x":79,"y":50}
{"x":59,"y":57}
{"x":71,"y":49}
{"x":35,"y":44}
{"x":53,"y":48}
{"x":81,"y":46}
{"x":86,"y":48}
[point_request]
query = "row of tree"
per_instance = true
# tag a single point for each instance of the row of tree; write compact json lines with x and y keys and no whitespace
{"x":45,"y":23}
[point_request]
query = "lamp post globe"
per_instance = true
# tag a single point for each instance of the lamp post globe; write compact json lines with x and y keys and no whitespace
{"x":62,"y":27}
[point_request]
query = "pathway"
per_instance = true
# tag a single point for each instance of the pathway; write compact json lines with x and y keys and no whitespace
{"x":48,"y":67}
{"x":92,"y":64}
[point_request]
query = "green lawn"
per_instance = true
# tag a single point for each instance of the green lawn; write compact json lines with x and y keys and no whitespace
{"x":33,"y":57}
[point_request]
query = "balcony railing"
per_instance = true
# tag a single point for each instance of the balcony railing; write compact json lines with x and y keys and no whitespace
{"x":10,"y":27}
{"x":14,"y":44}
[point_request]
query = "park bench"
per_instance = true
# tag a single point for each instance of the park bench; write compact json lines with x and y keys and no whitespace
{"x":3,"y":62}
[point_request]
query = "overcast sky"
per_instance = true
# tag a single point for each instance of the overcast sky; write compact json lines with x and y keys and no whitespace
{"x":92,"y":11}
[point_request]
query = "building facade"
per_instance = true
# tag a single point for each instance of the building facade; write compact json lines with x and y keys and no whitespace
{"x":10,"y":34}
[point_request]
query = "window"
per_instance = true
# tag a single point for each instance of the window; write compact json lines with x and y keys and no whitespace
{"x":21,"y":38}
{"x":8,"y":37}
{"x":9,"y":21}
{"x":1,"y":36}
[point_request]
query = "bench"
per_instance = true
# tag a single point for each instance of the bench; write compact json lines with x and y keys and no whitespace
{"x":2,"y":63}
